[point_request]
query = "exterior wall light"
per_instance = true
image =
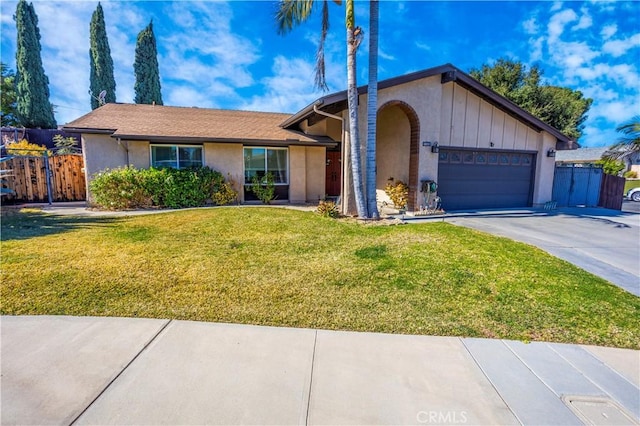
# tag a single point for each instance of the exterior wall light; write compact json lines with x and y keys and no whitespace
{"x":435,"y":148}
{"x":551,"y":152}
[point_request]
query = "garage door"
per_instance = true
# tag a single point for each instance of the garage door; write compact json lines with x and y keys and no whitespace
{"x":484,"y":179}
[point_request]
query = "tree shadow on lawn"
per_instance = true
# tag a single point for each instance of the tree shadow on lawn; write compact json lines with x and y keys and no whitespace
{"x":28,"y":223}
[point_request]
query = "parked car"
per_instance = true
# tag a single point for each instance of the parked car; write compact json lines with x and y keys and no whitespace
{"x":634,"y":194}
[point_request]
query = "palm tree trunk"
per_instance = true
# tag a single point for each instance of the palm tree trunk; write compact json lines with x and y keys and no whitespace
{"x":372,"y":111}
{"x":352,"y":99}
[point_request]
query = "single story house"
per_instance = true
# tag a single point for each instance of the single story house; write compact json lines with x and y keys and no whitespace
{"x":438,"y":125}
{"x":585,"y":157}
{"x":588,"y":157}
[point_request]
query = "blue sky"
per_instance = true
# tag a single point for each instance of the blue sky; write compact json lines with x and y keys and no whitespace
{"x":228,"y":55}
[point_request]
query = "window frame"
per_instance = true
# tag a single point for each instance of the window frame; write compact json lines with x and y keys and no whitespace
{"x":266,"y":160}
{"x":177,"y":148}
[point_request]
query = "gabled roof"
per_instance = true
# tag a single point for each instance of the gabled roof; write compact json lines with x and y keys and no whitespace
{"x":164,"y":123}
{"x":581,"y":155}
{"x":337,"y":101}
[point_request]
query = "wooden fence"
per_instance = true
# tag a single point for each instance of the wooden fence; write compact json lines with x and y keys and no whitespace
{"x":611,"y":192}
{"x":26,"y":177}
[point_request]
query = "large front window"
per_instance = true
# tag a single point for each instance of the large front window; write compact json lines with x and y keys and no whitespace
{"x":176,"y":156}
{"x":260,"y":161}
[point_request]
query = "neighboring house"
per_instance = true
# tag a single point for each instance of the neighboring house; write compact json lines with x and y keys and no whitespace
{"x":438,"y":124}
{"x":585,"y":157}
{"x":632,"y":162}
{"x":582,"y":157}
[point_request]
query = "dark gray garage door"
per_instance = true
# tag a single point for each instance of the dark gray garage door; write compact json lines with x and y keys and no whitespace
{"x":484,"y":179}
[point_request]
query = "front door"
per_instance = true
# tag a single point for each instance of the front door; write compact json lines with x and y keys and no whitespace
{"x":334,"y":166}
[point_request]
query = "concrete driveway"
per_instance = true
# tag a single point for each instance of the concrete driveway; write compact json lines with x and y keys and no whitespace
{"x":601,"y":241}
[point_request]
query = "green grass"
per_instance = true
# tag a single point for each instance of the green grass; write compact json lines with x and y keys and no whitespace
{"x":631,"y":184}
{"x":291,"y":268}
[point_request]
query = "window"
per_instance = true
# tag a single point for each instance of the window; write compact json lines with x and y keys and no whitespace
{"x":176,"y":156}
{"x":260,"y":161}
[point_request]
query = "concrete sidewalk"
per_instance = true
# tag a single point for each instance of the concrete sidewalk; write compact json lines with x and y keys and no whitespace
{"x":81,"y":370}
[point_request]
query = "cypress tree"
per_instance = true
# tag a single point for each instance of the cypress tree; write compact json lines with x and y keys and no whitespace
{"x":101,"y":62}
{"x":32,"y":85}
{"x":145,"y":66}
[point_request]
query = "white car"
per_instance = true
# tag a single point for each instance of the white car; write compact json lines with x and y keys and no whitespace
{"x":634,"y":194}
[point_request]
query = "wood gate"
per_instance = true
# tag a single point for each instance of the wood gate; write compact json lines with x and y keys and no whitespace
{"x":611,"y":192}
{"x":25,"y":178}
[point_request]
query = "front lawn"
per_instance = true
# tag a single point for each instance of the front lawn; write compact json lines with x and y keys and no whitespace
{"x":291,"y":268}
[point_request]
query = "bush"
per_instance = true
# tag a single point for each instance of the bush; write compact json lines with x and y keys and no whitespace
{"x":264,"y":188}
{"x":65,"y":145}
{"x":130,"y":188}
{"x":225,"y":194}
{"x":398,"y":192}
{"x":26,"y":148}
{"x":328,"y":209}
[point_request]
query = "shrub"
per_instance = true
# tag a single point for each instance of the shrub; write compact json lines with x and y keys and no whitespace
{"x":128,"y":188}
{"x":631,"y":174}
{"x":225,"y":194}
{"x":264,"y":188}
{"x":65,"y":145}
{"x":123,"y":188}
{"x":398,"y":191}
{"x":328,"y":209}
{"x":26,"y":148}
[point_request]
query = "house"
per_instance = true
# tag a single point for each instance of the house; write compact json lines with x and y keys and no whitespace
{"x":581,"y":157}
{"x":438,"y":125}
{"x":588,"y":157}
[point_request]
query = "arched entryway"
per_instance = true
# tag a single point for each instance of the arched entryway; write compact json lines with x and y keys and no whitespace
{"x":397,"y":148}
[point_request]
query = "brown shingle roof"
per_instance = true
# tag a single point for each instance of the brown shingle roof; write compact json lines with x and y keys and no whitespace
{"x":149,"y":122}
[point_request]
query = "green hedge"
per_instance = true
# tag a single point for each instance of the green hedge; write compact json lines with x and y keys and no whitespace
{"x":131,"y":188}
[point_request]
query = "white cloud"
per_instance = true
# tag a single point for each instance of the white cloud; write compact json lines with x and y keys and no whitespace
{"x":585,"y":20}
{"x":608,"y":31}
{"x":531,"y":26}
{"x":559,"y":21}
{"x":385,"y":55}
{"x":536,"y":51}
{"x":556,"y":6}
{"x":620,"y":47}
{"x":288,"y":89}
{"x":422,"y":46}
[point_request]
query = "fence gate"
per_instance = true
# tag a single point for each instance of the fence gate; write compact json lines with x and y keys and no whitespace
{"x":577,"y":185}
{"x":25,"y":178}
{"x":611,"y":192}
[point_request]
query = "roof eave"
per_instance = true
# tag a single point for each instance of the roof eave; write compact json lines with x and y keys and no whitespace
{"x":456,"y":75}
{"x":88,"y":130}
{"x":244,"y":141}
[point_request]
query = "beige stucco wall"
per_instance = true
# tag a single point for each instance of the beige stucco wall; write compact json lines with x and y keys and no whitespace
{"x":297,"y":174}
{"x":306,"y":174}
{"x":101,"y":152}
{"x":139,"y":154}
{"x":228,"y":159}
{"x":393,"y":140}
{"x":315,"y":165}
{"x":545,"y":169}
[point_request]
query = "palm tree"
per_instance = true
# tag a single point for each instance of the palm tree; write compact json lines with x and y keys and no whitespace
{"x":292,"y":13}
{"x":629,"y":142}
{"x":372,"y":111}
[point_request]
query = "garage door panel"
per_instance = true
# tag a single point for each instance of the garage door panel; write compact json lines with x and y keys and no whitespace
{"x":484,"y":179}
